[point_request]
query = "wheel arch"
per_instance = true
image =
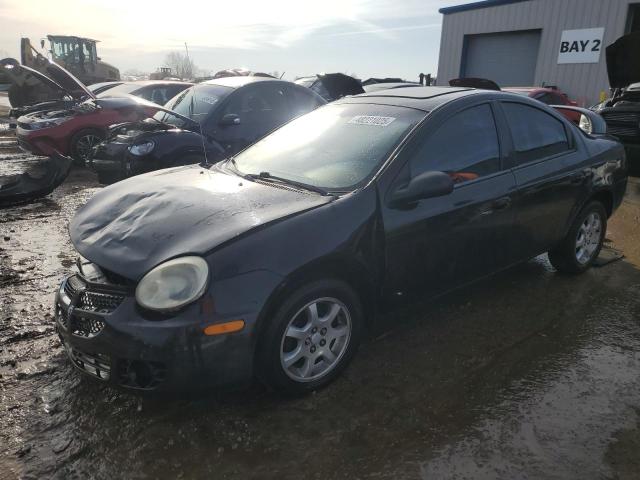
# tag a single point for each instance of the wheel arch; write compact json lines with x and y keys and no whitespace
{"x":84,"y":128}
{"x":338,"y":267}
{"x":605,"y":197}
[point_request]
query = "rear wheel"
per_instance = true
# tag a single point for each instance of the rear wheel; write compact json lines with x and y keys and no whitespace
{"x":311,"y":338}
{"x":582,"y":245}
{"x":82,"y":144}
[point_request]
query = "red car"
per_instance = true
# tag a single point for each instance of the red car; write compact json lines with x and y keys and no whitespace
{"x":550,"y":96}
{"x":547,"y":95}
{"x":75,"y":130}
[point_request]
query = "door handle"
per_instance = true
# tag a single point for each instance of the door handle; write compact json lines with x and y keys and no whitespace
{"x":497,"y":205}
{"x":501,"y":203}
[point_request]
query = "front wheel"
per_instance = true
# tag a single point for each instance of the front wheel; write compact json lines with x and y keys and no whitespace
{"x":582,"y":245}
{"x":82,"y":144}
{"x":311,"y":338}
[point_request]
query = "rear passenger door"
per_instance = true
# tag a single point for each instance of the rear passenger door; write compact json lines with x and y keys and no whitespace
{"x":544,"y":162}
{"x":446,"y":241}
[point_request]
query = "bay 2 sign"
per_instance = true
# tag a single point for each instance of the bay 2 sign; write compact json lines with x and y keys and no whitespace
{"x":581,"y":46}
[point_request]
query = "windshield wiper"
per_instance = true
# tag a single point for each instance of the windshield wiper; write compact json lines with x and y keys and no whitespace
{"x":267,"y":177}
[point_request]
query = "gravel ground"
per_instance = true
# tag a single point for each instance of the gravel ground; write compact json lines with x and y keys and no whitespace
{"x":528,"y":374}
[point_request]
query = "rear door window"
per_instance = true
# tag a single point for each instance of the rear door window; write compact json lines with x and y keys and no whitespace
{"x":465,"y":146}
{"x":536,"y":134}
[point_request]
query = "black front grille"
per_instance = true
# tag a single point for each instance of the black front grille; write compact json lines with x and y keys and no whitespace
{"x":93,"y":301}
{"x":82,"y":326}
{"x":95,"y":364}
{"x":622,"y":123}
{"x":620,"y":131}
{"x":99,"y":302}
{"x":622,"y":117}
{"x":86,"y":307}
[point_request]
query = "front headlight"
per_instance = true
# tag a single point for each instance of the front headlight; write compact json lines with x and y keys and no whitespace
{"x":48,"y":123}
{"x":140,"y":149}
{"x":585,"y":124}
{"x":173,"y":284}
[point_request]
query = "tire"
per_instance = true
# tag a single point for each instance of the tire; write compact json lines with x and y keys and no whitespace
{"x":579,"y":249}
{"x":82,"y":142}
{"x":325,"y":349}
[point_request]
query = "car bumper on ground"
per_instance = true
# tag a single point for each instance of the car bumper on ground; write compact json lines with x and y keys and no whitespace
{"x":107,"y":338}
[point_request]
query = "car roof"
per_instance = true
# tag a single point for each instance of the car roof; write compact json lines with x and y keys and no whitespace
{"x":377,"y":87}
{"x":145,"y":83}
{"x":531,"y":89}
{"x":240,"y":81}
{"x":421,"y":98}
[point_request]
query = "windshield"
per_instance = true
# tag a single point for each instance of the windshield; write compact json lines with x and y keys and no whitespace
{"x":196,"y":103}
{"x":335,"y":147}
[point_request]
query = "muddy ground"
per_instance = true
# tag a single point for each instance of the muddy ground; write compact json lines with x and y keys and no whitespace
{"x":528,"y":374}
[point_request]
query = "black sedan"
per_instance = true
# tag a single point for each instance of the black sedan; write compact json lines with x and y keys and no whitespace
{"x":223,"y":116}
{"x":274,"y":263}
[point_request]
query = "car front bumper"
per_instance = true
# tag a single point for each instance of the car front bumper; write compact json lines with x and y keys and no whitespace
{"x":107,"y":337}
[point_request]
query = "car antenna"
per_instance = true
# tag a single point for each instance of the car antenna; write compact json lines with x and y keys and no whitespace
{"x":282,"y":75}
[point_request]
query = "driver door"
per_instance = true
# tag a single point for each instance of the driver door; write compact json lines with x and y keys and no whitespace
{"x":436,"y":244}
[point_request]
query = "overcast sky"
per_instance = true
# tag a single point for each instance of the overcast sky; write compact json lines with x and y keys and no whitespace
{"x":365,"y":37}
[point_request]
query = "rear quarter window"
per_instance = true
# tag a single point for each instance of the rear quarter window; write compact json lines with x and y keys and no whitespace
{"x":536,"y":134}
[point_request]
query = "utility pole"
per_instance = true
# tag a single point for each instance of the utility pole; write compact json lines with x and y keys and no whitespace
{"x":186,"y":48}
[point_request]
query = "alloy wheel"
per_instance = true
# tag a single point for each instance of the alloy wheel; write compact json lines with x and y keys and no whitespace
{"x":85,"y":144}
{"x":588,"y":238}
{"x":315,"y":340}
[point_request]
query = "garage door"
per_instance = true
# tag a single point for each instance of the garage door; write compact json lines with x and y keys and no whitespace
{"x":509,"y":58}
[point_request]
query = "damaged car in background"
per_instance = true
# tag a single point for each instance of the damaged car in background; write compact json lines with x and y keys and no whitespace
{"x":273,"y":263}
{"x":622,"y":110}
{"x":39,"y":92}
{"x":219,"y":117}
{"x":75,"y":129}
{"x":332,"y":86}
{"x":549,"y":95}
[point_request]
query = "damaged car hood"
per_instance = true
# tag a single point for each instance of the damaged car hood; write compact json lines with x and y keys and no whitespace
{"x":134,"y":225}
{"x":623,"y":61}
{"x":340,"y":85}
{"x":479,"y":83}
{"x":52,"y":75}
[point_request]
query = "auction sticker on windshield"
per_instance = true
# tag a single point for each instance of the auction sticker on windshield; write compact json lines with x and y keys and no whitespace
{"x":372,"y":120}
{"x":209,"y":100}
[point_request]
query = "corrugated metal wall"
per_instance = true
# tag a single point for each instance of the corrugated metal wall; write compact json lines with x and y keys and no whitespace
{"x":583,"y":82}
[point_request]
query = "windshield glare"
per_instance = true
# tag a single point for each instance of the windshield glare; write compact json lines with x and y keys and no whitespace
{"x":196,"y":102}
{"x":335,"y":147}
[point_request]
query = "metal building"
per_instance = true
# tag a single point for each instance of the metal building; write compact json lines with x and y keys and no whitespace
{"x":535,"y":42}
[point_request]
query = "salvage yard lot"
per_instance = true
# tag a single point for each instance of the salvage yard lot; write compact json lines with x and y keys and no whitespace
{"x":526,"y":374}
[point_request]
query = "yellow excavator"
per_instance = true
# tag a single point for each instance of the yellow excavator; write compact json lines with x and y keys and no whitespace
{"x":77,"y":55}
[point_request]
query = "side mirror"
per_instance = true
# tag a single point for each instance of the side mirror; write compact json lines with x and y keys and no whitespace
{"x":590,"y":121}
{"x":425,"y":185}
{"x":230,"y":119}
